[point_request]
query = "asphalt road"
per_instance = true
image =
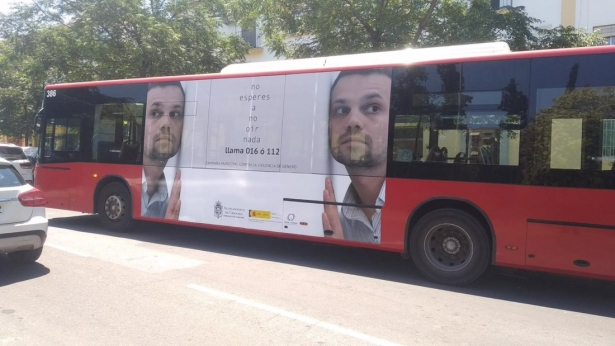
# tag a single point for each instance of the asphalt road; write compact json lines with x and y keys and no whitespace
{"x":169,"y":285}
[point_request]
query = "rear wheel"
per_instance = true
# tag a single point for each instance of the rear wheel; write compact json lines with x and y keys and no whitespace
{"x":25,"y":256}
{"x":450,"y":246}
{"x":115,"y":207}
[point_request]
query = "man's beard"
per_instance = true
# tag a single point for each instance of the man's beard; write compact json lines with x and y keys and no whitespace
{"x":357,"y":152}
{"x":162,"y":150}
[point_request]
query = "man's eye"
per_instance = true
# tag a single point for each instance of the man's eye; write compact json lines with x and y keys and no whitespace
{"x":342,"y":110}
{"x":156,"y":114}
{"x":175,"y":114}
{"x":371,"y":109}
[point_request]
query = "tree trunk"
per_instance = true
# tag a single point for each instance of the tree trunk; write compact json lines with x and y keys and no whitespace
{"x":423,"y":24}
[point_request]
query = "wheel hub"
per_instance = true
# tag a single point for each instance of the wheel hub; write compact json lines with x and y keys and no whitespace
{"x":114,"y":207}
{"x":451,"y":245}
{"x":448,"y":247}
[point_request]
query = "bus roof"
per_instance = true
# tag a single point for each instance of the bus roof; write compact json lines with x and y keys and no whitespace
{"x":409,"y":56}
{"x":405,"y":56}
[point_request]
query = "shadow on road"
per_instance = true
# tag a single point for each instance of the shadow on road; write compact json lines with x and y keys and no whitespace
{"x":11,"y":273}
{"x":552,"y":291}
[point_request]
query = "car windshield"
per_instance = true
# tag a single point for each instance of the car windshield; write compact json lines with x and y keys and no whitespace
{"x":9,"y":177}
{"x":11,"y":154}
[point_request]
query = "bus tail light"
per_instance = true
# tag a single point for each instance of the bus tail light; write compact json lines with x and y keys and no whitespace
{"x":32,"y":198}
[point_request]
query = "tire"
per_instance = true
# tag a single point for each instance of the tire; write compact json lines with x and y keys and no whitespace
{"x":25,"y":256}
{"x":114,"y":207}
{"x":450,"y":247}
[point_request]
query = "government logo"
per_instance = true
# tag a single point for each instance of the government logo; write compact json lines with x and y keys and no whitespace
{"x":218,"y":209}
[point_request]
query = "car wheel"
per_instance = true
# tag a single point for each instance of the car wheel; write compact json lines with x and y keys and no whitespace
{"x":450,"y":246}
{"x":115,"y":207}
{"x":25,"y":256}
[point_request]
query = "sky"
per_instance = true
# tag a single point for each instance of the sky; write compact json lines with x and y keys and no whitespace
{"x":5,"y":4}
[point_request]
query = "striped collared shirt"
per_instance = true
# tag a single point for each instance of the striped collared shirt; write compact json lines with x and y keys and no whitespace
{"x":355,"y":224}
{"x":157,"y":205}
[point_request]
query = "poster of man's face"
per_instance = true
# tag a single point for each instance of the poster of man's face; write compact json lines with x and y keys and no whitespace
{"x":164,"y":118}
{"x":164,"y":122}
{"x":359,"y":117}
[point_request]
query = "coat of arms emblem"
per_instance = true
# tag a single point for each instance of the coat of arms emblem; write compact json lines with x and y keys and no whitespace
{"x":218,"y":209}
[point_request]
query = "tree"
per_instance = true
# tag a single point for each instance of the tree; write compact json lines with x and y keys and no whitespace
{"x":311,"y":28}
{"x":330,"y":27}
{"x":19,"y":93}
{"x":569,"y":36}
{"x":465,"y":22}
{"x":89,"y":40}
{"x":58,"y":41}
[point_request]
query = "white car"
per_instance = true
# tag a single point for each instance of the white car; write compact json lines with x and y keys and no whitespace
{"x":23,"y":222}
{"x":20,"y":161}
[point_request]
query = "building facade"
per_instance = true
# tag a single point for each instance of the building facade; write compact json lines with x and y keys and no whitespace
{"x":258,"y":51}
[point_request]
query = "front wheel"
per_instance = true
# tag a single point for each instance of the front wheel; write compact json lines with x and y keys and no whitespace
{"x":115,"y":207}
{"x":25,"y":256}
{"x":450,"y":246}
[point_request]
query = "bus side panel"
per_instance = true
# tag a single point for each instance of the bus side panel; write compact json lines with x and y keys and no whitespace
{"x":54,"y":180}
{"x":504,"y":206}
{"x":558,"y":247}
{"x":395,"y":214}
{"x":571,"y":230}
{"x":86,"y":176}
{"x":535,"y":227}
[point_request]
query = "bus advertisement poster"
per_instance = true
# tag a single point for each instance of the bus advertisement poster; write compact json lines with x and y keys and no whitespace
{"x":302,"y":154}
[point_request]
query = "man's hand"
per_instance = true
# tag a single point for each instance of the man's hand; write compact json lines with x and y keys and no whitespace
{"x":330,"y":218}
{"x":174,"y":201}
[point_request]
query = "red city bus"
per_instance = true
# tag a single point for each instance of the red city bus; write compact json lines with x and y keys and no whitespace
{"x":459,"y":157}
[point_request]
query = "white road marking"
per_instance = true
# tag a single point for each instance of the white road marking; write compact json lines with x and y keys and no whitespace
{"x":291,"y":315}
{"x":65,"y":249}
{"x":10,"y":340}
{"x":125,"y":252}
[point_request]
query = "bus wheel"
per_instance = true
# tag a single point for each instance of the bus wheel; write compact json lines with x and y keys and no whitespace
{"x":450,"y":246}
{"x":115,"y":207}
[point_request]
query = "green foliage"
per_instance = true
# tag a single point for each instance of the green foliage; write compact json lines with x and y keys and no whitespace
{"x":105,"y":39}
{"x":329,"y":27}
{"x":57,"y":41}
{"x":461,"y":22}
{"x":309,"y":28}
{"x":564,"y":37}
{"x":19,"y":94}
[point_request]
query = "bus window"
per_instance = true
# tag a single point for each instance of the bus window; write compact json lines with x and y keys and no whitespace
{"x":422,"y":96}
{"x":608,"y":144}
{"x":474,"y":117}
{"x":494,"y":106}
{"x":63,"y":133}
{"x":118,"y":131}
{"x":570,"y":140}
{"x":408,"y":137}
{"x":577,"y":128}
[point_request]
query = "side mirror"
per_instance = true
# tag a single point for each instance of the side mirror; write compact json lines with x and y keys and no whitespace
{"x":38,"y":118}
